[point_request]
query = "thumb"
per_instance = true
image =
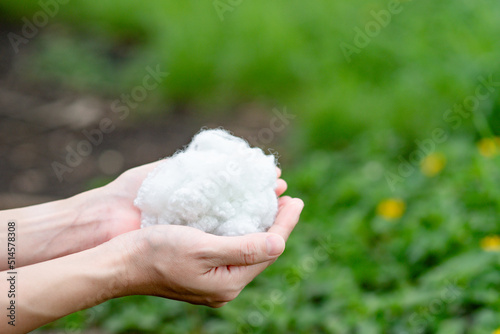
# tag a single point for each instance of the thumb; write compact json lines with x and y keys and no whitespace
{"x":249,"y":249}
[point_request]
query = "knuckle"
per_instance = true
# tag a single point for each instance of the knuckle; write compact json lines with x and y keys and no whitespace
{"x":203,"y":249}
{"x":249,"y":253}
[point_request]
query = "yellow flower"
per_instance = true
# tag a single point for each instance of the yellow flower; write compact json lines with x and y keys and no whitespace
{"x":497,"y":331}
{"x":391,"y":208}
{"x":432,"y":164}
{"x":489,"y":147}
{"x":491,"y":244}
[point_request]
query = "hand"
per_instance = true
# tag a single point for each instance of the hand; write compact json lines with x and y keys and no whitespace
{"x":183,"y":263}
{"x":118,"y":200}
{"x":118,"y":197}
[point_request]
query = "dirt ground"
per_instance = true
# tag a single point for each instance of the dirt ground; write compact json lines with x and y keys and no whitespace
{"x":40,"y":124}
{"x":44,"y":143}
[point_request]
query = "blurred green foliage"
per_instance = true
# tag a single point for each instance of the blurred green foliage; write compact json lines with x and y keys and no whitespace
{"x":424,"y":272}
{"x":426,"y":59}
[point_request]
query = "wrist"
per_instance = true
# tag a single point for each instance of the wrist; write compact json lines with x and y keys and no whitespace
{"x":69,"y":284}
{"x":129,"y":272}
{"x":94,"y":214}
{"x":55,"y":229}
{"x":112,"y":274}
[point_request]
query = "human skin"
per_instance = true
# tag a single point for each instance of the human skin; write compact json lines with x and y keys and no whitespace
{"x":79,"y":252}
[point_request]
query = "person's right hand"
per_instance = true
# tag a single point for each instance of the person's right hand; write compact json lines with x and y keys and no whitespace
{"x":183,"y":263}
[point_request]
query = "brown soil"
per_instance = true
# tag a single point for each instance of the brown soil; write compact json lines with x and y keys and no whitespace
{"x":37,"y":132}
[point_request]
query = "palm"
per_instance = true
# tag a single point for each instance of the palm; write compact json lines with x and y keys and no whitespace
{"x":123,"y":215}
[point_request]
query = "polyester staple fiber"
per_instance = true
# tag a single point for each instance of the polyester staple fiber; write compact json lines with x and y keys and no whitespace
{"x":218,"y":184}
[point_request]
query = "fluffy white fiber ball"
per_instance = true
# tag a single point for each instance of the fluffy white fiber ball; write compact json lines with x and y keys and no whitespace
{"x":218,"y":184}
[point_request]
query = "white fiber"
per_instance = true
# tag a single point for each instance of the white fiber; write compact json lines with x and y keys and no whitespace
{"x":218,"y":184}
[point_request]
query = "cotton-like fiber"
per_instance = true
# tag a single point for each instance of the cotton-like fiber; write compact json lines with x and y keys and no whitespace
{"x":218,"y":184}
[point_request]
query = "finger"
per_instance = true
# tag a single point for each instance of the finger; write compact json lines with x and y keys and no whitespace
{"x":286,"y":221}
{"x":287,"y":218}
{"x":247,"y":250}
{"x":281,"y":187}
{"x":278,"y":171}
{"x":283,"y":200}
{"x":245,"y":255}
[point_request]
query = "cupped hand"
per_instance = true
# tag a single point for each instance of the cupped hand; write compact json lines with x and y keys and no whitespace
{"x":183,"y":263}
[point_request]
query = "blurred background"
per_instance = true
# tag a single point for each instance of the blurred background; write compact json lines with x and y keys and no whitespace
{"x":385,"y":115}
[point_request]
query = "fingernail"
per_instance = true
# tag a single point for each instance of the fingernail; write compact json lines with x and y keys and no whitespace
{"x":275,"y":245}
{"x":299,"y":202}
